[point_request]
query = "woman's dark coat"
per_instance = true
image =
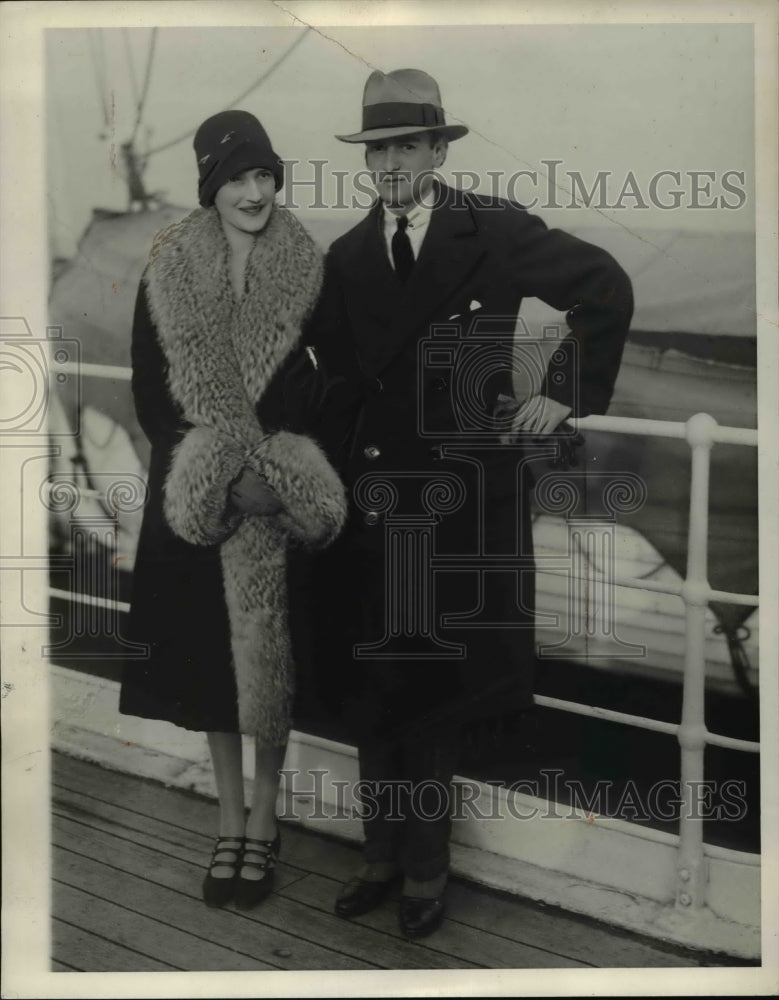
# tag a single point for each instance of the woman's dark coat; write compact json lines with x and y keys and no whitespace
{"x":209,"y":382}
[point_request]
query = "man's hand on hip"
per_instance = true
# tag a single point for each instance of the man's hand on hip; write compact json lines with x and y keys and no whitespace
{"x":537,"y":415}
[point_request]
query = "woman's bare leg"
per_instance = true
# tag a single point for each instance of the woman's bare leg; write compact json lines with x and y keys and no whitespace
{"x":261,"y":824}
{"x":227,"y":759}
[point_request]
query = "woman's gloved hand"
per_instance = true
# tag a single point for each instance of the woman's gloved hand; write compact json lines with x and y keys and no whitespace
{"x":251,"y":495}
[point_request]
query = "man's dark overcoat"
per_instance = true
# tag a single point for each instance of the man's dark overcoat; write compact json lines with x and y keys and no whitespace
{"x":411,"y":376}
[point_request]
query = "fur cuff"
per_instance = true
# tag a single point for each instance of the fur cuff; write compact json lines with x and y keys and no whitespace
{"x":196,"y":502}
{"x":312,"y":494}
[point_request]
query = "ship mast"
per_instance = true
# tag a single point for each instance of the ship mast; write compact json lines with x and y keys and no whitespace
{"x":133,"y":162}
{"x":140,"y":199}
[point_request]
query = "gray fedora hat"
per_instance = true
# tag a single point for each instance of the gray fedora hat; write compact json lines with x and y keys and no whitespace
{"x":403,"y":102}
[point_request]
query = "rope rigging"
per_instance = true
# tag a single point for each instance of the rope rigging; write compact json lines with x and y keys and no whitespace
{"x":141,"y":101}
{"x":240,"y":97}
{"x":97,"y":53}
{"x":130,"y":65}
{"x":135,"y":165}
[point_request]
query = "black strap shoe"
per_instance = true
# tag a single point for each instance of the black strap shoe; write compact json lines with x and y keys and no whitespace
{"x":420,"y":917}
{"x":226,"y":855}
{"x":359,"y":896}
{"x":261,"y":855}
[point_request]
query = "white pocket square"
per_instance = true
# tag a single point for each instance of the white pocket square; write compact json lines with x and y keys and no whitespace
{"x":475,"y":304}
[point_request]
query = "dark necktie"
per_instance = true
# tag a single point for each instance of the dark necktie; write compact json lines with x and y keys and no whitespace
{"x":402,"y":254}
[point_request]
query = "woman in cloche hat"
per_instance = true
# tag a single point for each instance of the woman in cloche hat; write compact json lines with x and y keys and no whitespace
{"x":218,"y":315}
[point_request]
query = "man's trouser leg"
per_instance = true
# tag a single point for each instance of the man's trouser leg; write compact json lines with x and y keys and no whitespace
{"x":381,"y":772}
{"x":429,"y":762}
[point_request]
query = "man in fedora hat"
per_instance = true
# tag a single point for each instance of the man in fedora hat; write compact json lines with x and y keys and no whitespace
{"x":418,"y":628}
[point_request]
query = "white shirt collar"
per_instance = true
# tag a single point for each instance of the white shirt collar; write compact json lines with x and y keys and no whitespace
{"x":418,"y":216}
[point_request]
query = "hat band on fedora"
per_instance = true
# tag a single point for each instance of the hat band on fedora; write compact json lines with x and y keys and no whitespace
{"x":394,"y":113}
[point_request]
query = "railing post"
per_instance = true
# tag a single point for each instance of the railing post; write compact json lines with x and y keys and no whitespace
{"x":691,"y":866}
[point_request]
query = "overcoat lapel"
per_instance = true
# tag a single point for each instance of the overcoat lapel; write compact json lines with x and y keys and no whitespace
{"x":390,"y":313}
{"x":375,"y":289}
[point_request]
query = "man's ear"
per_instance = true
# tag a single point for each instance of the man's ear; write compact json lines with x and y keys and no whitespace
{"x":440,"y":149}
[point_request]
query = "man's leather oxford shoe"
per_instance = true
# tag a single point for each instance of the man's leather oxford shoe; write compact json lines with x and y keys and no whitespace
{"x":420,"y":917}
{"x":360,"y":896}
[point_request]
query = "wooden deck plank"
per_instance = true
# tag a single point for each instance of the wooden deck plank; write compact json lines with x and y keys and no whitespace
{"x":190,"y":840}
{"x":463,"y":949}
{"x":513,"y":917}
{"x":189,"y":815}
{"x":454,"y":937}
{"x":85,"y":951}
{"x":151,"y":810}
{"x":156,"y":835}
{"x":319,"y":924}
{"x":524,"y":921}
{"x":154,"y":938}
{"x":263,"y":945}
{"x":283,"y":925}
{"x":186,"y":810}
{"x":510,"y":916}
{"x":61,"y":967}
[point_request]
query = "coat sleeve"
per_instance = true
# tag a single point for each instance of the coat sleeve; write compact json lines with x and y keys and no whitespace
{"x":589,"y":286}
{"x":160,"y":418}
{"x":338,"y":387}
{"x":198,"y":466}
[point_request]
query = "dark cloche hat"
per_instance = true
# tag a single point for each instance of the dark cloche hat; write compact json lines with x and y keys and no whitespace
{"x":227,"y":144}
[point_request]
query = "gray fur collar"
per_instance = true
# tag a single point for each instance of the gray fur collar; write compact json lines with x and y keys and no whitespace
{"x":221,"y":353}
{"x":221,"y":357}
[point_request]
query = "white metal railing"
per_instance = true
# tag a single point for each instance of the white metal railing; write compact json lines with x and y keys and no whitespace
{"x":119,"y":373}
{"x":667,"y":587}
{"x":701,"y":432}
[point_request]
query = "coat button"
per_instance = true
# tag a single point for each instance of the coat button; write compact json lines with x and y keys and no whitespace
{"x":371,"y":452}
{"x":372,"y":517}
